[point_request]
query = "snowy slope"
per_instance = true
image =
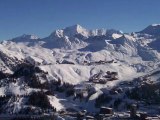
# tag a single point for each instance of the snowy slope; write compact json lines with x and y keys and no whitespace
{"x":72,"y":56}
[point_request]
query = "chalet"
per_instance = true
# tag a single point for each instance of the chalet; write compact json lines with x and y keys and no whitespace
{"x":108,"y":72}
{"x":110,"y":61}
{"x":113,"y":76}
{"x":114,"y":73}
{"x":101,"y":62}
{"x":86,"y":62}
{"x":96,"y":76}
{"x":102,"y":81}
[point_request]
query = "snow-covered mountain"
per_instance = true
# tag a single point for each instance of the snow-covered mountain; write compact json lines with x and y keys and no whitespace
{"x":71,"y":57}
{"x":153,"y":29}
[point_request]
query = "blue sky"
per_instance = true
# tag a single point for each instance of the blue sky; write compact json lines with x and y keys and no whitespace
{"x":41,"y":17}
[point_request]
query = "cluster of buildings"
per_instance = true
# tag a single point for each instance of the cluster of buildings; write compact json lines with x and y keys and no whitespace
{"x":107,"y":113}
{"x":102,"y":77}
{"x":100,"y":62}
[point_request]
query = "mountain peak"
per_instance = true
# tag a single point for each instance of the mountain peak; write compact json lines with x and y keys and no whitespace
{"x":25,"y":37}
{"x":153,"y":29}
{"x":76,"y":26}
{"x":76,"y":29}
{"x":71,"y":31}
{"x":155,"y":25}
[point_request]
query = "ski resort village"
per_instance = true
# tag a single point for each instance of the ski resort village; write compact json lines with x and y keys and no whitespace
{"x":81,"y":74}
